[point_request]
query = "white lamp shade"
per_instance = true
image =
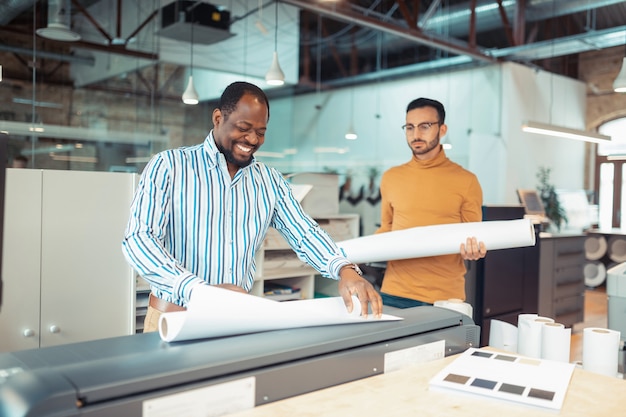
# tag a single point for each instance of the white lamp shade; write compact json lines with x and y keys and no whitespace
{"x":190,"y":96}
{"x":275,"y":75}
{"x":619,"y":85}
{"x":351,"y":134}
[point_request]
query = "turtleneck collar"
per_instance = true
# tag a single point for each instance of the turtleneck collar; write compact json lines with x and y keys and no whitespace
{"x":439,"y":159}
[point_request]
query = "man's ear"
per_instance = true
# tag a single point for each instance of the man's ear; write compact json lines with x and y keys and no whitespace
{"x":217,"y":117}
{"x":443,"y":130}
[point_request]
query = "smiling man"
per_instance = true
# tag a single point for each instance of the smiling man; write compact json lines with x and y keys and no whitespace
{"x":201,"y":212}
{"x":429,"y":189}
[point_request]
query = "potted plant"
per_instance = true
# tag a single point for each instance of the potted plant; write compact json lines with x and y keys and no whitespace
{"x":554,"y":211}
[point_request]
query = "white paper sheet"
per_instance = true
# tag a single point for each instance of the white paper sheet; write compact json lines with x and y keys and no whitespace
{"x":216,"y":312}
{"x":436,"y":240}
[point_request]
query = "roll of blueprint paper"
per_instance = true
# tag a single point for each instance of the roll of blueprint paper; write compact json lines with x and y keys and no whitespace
{"x":444,"y":239}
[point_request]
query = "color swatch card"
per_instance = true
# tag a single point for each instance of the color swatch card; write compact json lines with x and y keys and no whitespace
{"x":507,"y":377}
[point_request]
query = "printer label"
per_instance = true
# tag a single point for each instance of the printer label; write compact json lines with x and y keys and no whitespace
{"x":417,"y":354}
{"x":213,"y":401}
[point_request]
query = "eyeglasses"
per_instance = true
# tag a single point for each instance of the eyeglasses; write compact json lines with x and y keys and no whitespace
{"x":424,"y":127}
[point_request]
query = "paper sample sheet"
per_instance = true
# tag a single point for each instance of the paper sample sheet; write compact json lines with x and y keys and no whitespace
{"x":217,"y":312}
{"x":508,"y":377}
{"x":444,"y":239}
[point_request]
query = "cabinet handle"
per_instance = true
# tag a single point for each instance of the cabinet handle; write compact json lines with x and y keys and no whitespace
{"x":28,"y":333}
{"x":55,"y":329}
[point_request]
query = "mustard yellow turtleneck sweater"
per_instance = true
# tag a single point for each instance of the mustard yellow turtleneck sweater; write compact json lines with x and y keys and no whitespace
{"x":423,"y":193}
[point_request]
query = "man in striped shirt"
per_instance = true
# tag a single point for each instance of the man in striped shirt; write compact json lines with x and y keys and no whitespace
{"x":201,"y":212}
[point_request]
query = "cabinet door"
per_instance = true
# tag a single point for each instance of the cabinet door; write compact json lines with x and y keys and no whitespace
{"x":86,"y":284}
{"x":19,"y":312}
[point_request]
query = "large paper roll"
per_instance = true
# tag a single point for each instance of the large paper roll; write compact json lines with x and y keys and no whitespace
{"x":503,"y":335}
{"x":444,"y":239}
{"x":617,"y":249}
{"x":601,"y":350}
{"x":217,"y":312}
{"x":595,"y":273}
{"x":555,"y":342}
{"x":595,"y":247}
{"x":456,"y":305}
{"x":529,"y":334}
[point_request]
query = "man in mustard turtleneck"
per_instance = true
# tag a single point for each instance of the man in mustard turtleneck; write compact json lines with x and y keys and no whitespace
{"x":430,"y":189}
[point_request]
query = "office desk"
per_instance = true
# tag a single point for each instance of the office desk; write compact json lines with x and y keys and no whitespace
{"x":405,"y":393}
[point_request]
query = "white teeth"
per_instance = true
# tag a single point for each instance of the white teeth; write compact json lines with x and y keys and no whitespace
{"x":243,"y":148}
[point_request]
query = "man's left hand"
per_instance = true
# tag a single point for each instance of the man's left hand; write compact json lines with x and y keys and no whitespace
{"x":472,"y":250}
{"x":351,"y":283}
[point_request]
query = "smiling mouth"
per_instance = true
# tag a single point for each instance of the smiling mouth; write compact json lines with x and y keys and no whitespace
{"x":245,"y":149}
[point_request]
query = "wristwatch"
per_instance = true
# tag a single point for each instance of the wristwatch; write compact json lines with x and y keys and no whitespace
{"x":355,"y":267}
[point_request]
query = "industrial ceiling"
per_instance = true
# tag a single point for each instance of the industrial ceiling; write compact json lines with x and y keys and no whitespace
{"x":321,"y":43}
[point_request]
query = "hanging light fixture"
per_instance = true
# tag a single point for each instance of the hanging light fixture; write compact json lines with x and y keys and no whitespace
{"x":351,"y":134}
{"x":563,"y":132}
{"x":619,"y":85}
{"x":59,"y":19}
{"x":190,"y":96}
{"x":275,"y":75}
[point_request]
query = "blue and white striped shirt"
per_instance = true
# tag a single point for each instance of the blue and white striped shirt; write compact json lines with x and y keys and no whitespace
{"x":191,"y":224}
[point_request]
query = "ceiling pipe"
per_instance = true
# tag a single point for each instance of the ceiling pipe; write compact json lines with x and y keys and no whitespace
{"x":348,"y":16}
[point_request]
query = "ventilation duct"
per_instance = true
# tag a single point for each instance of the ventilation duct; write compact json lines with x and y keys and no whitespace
{"x":211,"y":23}
{"x":59,"y":21}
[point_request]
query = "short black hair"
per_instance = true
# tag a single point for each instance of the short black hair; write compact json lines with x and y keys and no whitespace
{"x":233,"y":93}
{"x":418,"y":103}
{"x":20,"y":158}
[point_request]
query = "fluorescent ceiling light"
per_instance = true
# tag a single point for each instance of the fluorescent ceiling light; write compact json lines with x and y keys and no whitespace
{"x":81,"y":133}
{"x":563,"y":132}
{"x":269,"y":154}
{"x":330,"y":150}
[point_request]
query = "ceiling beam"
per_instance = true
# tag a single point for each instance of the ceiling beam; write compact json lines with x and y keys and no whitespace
{"x":413,"y":34}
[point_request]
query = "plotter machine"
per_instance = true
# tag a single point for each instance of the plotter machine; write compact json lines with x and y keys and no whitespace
{"x":141,"y":375}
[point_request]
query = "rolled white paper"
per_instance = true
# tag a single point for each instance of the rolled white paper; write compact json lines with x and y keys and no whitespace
{"x":443,"y":239}
{"x":217,"y":312}
{"x":555,"y":342}
{"x":503,"y":335}
{"x":529,"y":334}
{"x":601,"y":350}
{"x":456,"y":305}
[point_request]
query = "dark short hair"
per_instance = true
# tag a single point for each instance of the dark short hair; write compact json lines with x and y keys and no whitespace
{"x":20,"y":158}
{"x":233,"y":93}
{"x":418,"y":103}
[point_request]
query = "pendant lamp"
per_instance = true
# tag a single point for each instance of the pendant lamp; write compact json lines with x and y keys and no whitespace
{"x":190,"y":96}
{"x":275,"y":75}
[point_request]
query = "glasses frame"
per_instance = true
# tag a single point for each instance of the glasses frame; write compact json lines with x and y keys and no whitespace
{"x":423,"y":127}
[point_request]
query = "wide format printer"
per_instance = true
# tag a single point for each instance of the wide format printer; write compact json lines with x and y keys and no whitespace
{"x":141,"y":375}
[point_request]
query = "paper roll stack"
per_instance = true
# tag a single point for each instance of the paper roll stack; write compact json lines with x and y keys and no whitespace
{"x":529,"y":331}
{"x":456,"y":305}
{"x":555,"y":342}
{"x":601,"y":351}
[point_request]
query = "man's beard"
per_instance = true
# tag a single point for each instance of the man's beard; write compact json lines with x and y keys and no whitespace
{"x":429,"y":147}
{"x":230,"y":157}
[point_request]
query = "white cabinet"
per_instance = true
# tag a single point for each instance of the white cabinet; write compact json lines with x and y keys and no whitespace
{"x":65,"y":277}
{"x":278,"y":263}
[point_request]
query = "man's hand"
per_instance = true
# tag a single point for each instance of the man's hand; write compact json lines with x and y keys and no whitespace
{"x":472,"y":250}
{"x":351,"y":283}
